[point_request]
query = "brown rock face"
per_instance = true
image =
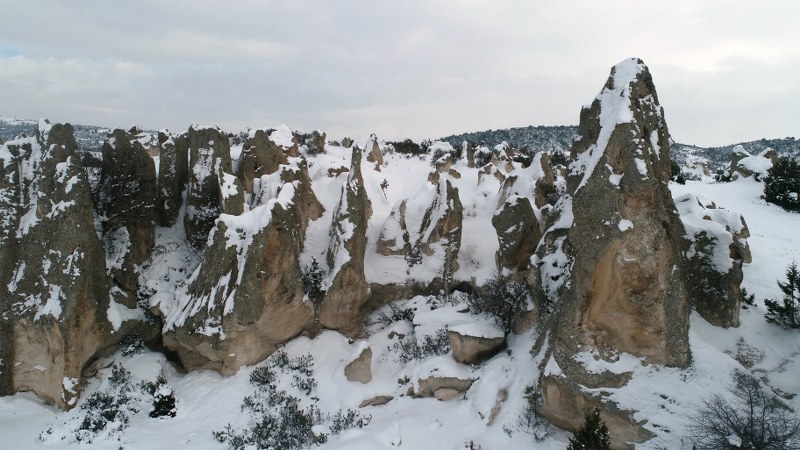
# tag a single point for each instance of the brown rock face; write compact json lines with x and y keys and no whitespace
{"x":246,"y":297}
{"x":348,"y":289}
{"x":209,"y":150}
{"x":473,"y":349}
{"x":172,"y":176}
{"x":360,"y":369}
{"x":621,"y":288}
{"x":260,"y":156}
{"x":127,"y":199}
{"x":518,"y":232}
{"x":54,"y":291}
{"x":715,"y":253}
{"x":375,"y":155}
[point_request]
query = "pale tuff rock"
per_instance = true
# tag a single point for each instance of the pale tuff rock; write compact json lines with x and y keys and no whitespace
{"x":716,"y":246}
{"x":127,"y":200}
{"x":469,"y":349}
{"x":468,"y":154}
{"x":617,"y":246}
{"x":447,"y":387}
{"x":54,"y":286}
{"x":260,"y":156}
{"x":378,"y":400}
{"x":246,"y":297}
{"x":347,"y":288}
{"x":360,"y":368}
{"x":375,"y":155}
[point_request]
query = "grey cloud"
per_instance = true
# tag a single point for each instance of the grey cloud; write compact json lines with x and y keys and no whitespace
{"x":413,"y":68}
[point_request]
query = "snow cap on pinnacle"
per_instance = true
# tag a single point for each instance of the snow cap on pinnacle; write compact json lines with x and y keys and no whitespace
{"x":628,"y":97}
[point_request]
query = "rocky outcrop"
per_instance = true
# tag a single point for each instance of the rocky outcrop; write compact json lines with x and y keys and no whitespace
{"x":346,"y":284}
{"x":715,"y":248}
{"x":360,"y":369}
{"x":54,"y":287}
{"x":612,"y":264}
{"x":310,"y":143}
{"x":209,"y":152}
{"x":443,"y":388}
{"x":426,"y":230}
{"x":470,"y":349}
{"x":246,"y":297}
{"x":127,"y":200}
{"x":260,"y":156}
{"x":518,"y":232}
{"x":375,"y":155}
{"x":172,"y":176}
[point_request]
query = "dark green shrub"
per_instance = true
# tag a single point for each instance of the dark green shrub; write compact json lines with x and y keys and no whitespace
{"x":787,"y":312}
{"x":782,"y":184}
{"x":593,"y":434}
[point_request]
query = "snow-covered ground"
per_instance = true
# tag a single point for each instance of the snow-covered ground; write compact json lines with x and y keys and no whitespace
{"x":666,"y":398}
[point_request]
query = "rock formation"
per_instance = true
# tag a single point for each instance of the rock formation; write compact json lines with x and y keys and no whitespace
{"x":54,"y":286}
{"x":172,"y":176}
{"x":260,"y":156}
{"x":426,"y":229}
{"x":617,"y":246}
{"x":127,"y":200}
{"x":246,"y":297}
{"x":716,"y":248}
{"x":347,"y":287}
{"x":209,"y":151}
{"x":518,"y":232}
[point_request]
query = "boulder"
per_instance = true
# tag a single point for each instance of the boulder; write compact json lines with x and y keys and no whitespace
{"x":346,"y":285}
{"x":378,"y":400}
{"x":469,"y":349}
{"x":450,"y":387}
{"x":375,"y":155}
{"x":715,"y":249}
{"x":611,"y":266}
{"x":360,"y":369}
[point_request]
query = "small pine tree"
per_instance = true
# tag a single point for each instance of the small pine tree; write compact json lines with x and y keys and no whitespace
{"x":312,"y":281}
{"x":787,"y":312}
{"x":782,"y":184}
{"x":593,"y":434}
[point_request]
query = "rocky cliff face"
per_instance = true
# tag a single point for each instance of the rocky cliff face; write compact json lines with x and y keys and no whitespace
{"x":209,"y":154}
{"x":426,"y":229}
{"x":172,"y":176}
{"x":128,"y":202}
{"x":347,"y":289}
{"x":246,"y":297}
{"x":618,"y":244}
{"x":55,"y":291}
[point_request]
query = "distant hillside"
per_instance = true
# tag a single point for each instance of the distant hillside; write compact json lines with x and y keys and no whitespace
{"x":89,"y":137}
{"x":534,"y":138}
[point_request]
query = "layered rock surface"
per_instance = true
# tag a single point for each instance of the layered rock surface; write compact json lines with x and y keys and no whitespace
{"x":619,"y":285}
{"x":55,"y":294}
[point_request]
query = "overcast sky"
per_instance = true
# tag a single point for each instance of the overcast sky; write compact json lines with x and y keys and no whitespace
{"x":725,"y":71}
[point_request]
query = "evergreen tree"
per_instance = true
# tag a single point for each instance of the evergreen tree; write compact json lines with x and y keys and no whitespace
{"x":787,"y":312}
{"x":782,"y":184}
{"x":593,"y":434}
{"x":312,"y":281}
